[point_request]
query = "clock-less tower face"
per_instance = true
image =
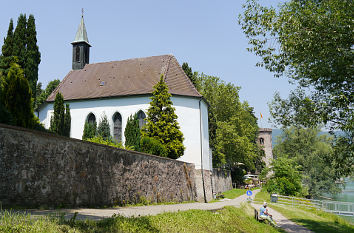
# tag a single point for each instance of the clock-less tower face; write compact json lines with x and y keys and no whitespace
{"x":81,"y":55}
{"x":81,"y":47}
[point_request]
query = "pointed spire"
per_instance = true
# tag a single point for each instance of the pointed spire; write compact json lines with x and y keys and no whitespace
{"x":81,"y":34}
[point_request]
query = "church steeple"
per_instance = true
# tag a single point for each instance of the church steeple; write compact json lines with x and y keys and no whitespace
{"x":81,"y":47}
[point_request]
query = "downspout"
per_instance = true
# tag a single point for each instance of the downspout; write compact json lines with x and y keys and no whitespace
{"x":201,"y":147}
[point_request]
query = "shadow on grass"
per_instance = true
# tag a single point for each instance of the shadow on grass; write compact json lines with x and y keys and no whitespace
{"x":116,"y":223}
{"x":322,"y":226}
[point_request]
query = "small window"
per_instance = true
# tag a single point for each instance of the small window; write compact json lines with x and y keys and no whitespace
{"x":141,"y":118}
{"x":91,"y":119}
{"x":261,"y":141}
{"x":77,"y":54}
{"x":117,"y":127}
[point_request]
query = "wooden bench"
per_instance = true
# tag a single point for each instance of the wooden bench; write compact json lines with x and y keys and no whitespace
{"x":256,"y":216}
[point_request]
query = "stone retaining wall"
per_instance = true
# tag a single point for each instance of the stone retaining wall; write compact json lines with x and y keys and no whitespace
{"x":39,"y":168}
{"x":221,"y":180}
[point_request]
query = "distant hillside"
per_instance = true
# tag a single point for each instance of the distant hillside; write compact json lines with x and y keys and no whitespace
{"x":277,"y":132}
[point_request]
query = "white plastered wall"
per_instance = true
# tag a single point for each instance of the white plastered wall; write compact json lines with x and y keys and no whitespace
{"x":188,"y":110}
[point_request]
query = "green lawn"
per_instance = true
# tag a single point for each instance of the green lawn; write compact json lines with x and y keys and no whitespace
{"x":229,"y":219}
{"x":315,"y":220}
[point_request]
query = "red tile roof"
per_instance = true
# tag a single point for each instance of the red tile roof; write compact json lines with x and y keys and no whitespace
{"x":122,"y":78}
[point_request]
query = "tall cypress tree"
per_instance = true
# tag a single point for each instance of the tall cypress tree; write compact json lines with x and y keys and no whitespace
{"x":32,"y":56}
{"x":67,"y":121}
{"x":132,"y":133}
{"x":7,"y":50}
{"x":162,"y":121}
{"x":7,"y":47}
{"x":20,"y":40}
{"x":57,"y":121}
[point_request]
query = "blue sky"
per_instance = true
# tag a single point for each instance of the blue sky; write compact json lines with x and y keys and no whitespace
{"x":203,"y":33}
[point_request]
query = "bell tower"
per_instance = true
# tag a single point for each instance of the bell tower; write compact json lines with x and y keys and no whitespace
{"x":81,"y":47}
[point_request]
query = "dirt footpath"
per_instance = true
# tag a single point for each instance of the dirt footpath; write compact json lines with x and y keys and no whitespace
{"x":136,"y":211}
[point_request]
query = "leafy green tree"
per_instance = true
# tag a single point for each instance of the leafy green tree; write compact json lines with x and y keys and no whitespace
{"x":89,"y":130}
{"x":67,"y":121}
{"x":188,"y":71}
{"x":132,"y":132}
{"x":286,"y":179}
{"x":232,"y":125}
{"x":310,"y":42}
{"x":42,"y":95}
{"x":315,"y":157}
{"x":103,"y":129}
{"x":32,"y":56}
{"x":162,"y":121}
{"x":16,"y":97}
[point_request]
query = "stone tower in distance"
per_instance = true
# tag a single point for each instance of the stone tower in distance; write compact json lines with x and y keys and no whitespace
{"x":81,"y":47}
{"x":265,"y":140}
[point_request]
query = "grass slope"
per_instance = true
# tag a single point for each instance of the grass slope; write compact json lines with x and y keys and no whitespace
{"x":229,"y":219}
{"x":312,"y":219}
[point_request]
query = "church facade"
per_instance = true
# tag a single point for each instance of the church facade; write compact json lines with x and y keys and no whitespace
{"x":119,"y":89}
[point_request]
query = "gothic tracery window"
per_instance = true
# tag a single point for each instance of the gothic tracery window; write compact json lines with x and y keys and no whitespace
{"x":117,"y":127}
{"x":141,"y":118}
{"x":91,"y":119}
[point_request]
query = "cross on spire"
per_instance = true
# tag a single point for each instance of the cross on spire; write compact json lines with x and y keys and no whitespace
{"x":82,"y":12}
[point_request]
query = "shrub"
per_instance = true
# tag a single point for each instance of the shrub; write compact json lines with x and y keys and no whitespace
{"x":153,"y":146}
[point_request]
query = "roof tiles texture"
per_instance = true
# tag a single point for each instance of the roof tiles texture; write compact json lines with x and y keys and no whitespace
{"x":123,"y":78}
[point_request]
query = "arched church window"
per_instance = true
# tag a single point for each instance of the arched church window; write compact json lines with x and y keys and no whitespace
{"x":91,"y":119}
{"x":261,"y":141}
{"x":141,"y":118}
{"x":117,"y":127}
{"x":77,"y":54}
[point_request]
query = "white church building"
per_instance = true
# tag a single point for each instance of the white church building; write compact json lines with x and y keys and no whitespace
{"x":119,"y":89}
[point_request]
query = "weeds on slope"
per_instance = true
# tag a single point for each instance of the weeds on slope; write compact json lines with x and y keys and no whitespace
{"x":228,"y":219}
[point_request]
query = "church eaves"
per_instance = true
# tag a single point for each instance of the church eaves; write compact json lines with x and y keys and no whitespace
{"x":81,"y":34}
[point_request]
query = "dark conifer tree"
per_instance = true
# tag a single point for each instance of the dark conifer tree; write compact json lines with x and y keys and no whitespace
{"x":20,"y":40}
{"x":132,"y":133}
{"x":162,"y":121}
{"x":188,"y":71}
{"x":103,"y":129}
{"x":57,"y":121}
{"x":89,"y":130}
{"x":16,"y":97}
{"x":7,"y":50}
{"x":32,"y":56}
{"x":67,"y":121}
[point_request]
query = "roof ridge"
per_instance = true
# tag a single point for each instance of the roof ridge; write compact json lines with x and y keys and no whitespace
{"x":168,"y":66}
{"x":188,"y":79}
{"x":129,"y":59}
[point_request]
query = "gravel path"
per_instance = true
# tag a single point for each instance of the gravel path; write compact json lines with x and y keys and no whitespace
{"x":98,"y":214}
{"x":283,"y":222}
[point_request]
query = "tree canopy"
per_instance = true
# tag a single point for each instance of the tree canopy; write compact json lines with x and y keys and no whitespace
{"x":60,"y":122}
{"x":233,"y":127}
{"x":132,"y":132}
{"x":314,"y":157}
{"x":311,"y":43}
